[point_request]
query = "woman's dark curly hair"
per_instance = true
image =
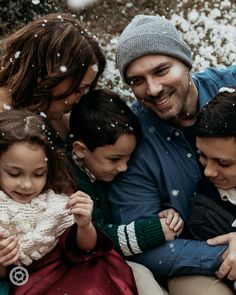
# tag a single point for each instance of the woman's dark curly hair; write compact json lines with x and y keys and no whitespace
{"x":32,"y":59}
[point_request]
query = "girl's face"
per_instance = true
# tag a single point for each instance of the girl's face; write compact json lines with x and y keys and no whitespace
{"x":218,"y":157}
{"x":60,"y":107}
{"x":107,"y":161}
{"x":23,"y":171}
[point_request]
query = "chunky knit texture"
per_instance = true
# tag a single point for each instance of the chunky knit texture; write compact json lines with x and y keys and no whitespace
{"x":37,"y":224}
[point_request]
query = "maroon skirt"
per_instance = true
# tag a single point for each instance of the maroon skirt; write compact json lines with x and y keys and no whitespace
{"x":68,"y":270}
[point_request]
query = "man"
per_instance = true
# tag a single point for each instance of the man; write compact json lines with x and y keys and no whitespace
{"x":163,"y":172}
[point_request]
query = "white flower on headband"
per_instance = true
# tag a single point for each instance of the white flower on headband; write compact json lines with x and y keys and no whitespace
{"x":227,"y":89}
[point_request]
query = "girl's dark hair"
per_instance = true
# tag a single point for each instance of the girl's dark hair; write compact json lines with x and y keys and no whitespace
{"x":100,"y":117}
{"x":24,"y":126}
{"x":218,"y":117}
{"x":42,"y":54}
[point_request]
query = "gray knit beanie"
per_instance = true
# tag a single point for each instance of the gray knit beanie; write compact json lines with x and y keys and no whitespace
{"x":147,"y":35}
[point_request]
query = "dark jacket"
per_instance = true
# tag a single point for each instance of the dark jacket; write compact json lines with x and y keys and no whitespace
{"x":210,"y":216}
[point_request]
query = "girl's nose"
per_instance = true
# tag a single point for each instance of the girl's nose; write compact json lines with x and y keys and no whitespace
{"x":26,"y":184}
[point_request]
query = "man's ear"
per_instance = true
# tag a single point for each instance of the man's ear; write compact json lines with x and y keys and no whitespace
{"x":79,"y":149}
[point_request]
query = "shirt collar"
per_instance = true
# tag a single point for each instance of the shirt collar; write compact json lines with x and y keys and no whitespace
{"x":228,"y":195}
{"x":80,"y":164}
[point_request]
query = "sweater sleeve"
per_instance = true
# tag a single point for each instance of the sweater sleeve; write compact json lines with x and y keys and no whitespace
{"x":128,"y":238}
{"x":133,"y":238}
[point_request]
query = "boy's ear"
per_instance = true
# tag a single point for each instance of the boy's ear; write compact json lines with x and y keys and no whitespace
{"x":79,"y":149}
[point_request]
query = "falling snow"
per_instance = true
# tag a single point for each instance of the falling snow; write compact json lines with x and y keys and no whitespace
{"x":63,"y":69}
{"x":227,"y":89}
{"x":211,"y":34}
{"x":35,"y":2}
{"x":95,"y":68}
{"x":17,"y":54}
{"x":77,"y":4}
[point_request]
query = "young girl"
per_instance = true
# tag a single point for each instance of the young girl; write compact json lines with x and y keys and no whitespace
{"x":47,"y":65}
{"x":58,"y":243}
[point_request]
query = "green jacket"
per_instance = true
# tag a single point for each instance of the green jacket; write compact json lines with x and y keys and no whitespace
{"x":139,"y":239}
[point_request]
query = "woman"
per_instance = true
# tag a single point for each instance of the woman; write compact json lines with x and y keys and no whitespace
{"x":47,"y":65}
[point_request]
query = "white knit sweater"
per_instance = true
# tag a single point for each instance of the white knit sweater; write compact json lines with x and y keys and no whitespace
{"x":37,"y":224}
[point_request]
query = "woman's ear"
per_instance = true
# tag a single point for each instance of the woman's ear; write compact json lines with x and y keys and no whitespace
{"x":79,"y":149}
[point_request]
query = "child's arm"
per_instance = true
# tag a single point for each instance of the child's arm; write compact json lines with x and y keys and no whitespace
{"x":173,"y":220}
{"x":81,"y":205}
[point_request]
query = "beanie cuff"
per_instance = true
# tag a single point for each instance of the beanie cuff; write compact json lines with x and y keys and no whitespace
{"x":150,"y":44}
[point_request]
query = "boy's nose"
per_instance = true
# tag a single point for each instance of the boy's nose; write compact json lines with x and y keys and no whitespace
{"x":210,"y":170}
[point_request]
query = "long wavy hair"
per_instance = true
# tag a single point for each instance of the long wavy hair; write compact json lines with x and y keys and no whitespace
{"x":43,"y":53}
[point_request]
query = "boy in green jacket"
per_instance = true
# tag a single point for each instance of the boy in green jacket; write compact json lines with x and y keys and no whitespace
{"x":103,"y":133}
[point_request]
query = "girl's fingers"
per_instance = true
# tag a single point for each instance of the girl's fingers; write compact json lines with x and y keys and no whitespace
{"x":81,"y":211}
{"x":10,"y":252}
{"x":79,"y":199}
{"x":8,"y":244}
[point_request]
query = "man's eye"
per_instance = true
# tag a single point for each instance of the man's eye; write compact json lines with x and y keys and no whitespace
{"x":135,"y":81}
{"x":160,"y":71}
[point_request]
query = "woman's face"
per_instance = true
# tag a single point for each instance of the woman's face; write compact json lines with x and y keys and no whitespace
{"x":218,"y":157}
{"x":58,"y":108}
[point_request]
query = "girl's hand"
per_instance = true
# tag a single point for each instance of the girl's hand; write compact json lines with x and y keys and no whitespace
{"x":173,"y":220}
{"x":81,"y":206}
{"x":9,"y":250}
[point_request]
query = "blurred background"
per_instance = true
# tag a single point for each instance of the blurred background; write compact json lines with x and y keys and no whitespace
{"x":209,"y":27}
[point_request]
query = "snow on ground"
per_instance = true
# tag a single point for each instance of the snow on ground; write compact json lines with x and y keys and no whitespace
{"x":211,"y":33}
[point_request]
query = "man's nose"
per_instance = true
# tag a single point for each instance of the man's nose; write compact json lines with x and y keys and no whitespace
{"x":154,"y":87}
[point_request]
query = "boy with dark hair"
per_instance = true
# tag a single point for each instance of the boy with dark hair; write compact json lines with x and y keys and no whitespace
{"x":104,"y":133}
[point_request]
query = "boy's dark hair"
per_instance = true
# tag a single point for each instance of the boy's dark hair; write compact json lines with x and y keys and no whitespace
{"x":100,"y":117}
{"x":218,"y":117}
{"x":24,"y":126}
{"x":32,"y":59}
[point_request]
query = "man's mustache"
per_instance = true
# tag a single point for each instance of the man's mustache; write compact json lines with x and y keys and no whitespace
{"x":161,"y":95}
